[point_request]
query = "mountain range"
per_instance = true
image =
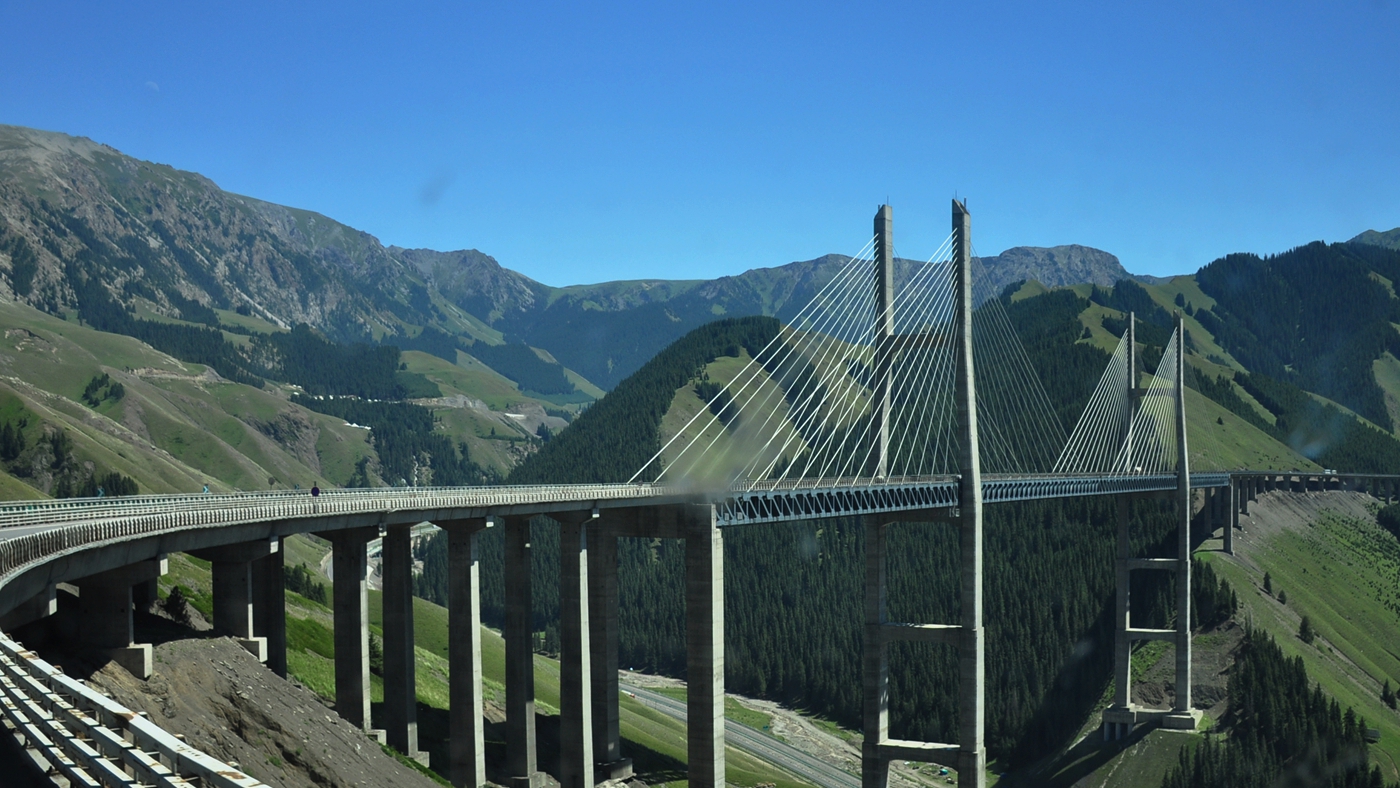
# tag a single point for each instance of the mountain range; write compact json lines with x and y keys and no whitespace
{"x":166,"y":244}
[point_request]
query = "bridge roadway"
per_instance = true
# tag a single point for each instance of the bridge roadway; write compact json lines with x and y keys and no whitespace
{"x":46,"y":543}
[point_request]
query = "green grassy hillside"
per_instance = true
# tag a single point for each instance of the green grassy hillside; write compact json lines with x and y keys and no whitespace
{"x":177,"y":427}
{"x":1336,"y":566}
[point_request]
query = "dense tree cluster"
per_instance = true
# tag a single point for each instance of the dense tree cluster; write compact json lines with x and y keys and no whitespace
{"x":299,"y":579}
{"x":1213,"y":601}
{"x":520,"y":363}
{"x":102,"y":388}
{"x":1388,"y":516}
{"x":24,"y":263}
{"x":410,"y":449}
{"x":1314,"y":316}
{"x":1323,"y":433}
{"x":617,"y":435}
{"x":1283,"y":731}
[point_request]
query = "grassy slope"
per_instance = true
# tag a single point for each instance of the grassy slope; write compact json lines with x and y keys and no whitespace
{"x":1142,"y":761}
{"x":766,"y":401}
{"x":1235,"y":443}
{"x":1340,"y":574}
{"x":1387,"y":372}
{"x":173,"y":431}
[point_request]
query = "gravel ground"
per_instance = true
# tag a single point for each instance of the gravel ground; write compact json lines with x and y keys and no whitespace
{"x":232,"y":707}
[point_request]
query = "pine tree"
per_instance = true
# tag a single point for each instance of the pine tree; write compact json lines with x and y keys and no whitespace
{"x":1268,"y":584}
{"x":1305,"y":631}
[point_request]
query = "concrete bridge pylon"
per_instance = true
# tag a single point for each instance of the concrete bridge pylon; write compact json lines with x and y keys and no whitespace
{"x":969,"y":754}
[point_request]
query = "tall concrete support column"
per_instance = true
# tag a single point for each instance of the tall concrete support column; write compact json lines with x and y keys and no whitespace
{"x":1234,"y":519}
{"x":884,"y":338}
{"x":704,"y":647}
{"x":400,"y":678}
{"x":105,"y":610}
{"x":234,"y":590}
{"x":1182,"y":716}
{"x":350,"y":605}
{"x":972,"y":750}
{"x":1122,"y":618}
{"x":270,"y":609}
{"x":875,"y":768}
{"x":603,"y":644}
{"x":1230,"y":518}
{"x":519,"y":631}
{"x":575,"y":668}
{"x":467,"y":746}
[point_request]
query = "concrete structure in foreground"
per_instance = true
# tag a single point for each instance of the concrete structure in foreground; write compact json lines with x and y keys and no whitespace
{"x":969,"y":754}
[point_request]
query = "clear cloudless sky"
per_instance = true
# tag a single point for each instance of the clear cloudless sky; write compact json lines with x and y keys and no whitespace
{"x":581,"y":142}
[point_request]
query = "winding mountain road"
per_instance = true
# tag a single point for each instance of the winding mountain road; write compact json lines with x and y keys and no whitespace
{"x":756,"y":743}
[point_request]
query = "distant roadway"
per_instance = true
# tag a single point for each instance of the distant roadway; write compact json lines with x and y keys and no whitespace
{"x":756,"y":743}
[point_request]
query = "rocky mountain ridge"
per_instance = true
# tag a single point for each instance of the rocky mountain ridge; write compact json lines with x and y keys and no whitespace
{"x":168,"y":244}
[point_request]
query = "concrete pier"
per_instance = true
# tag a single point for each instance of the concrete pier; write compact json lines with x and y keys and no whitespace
{"x":1232,"y":518}
{"x":106,"y":613}
{"x":704,"y":646}
{"x":467,"y":750}
{"x":576,"y":761}
{"x":875,"y":690}
{"x":1122,"y":621}
{"x":603,"y":643}
{"x":350,"y":607}
{"x":521,"y":764}
{"x":1183,"y":715}
{"x":234,"y":590}
{"x":400,"y":678}
{"x":270,"y":609}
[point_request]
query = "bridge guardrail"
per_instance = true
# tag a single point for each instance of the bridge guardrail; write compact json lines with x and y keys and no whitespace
{"x":93,"y":740}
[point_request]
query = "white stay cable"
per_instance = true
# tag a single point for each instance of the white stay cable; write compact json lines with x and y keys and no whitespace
{"x":810,"y":305}
{"x":883,"y":354}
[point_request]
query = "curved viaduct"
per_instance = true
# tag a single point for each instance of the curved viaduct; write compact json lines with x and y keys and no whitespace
{"x":107,"y":547}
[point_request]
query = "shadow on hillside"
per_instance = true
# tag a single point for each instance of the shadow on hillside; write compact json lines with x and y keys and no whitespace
{"x":1080,"y":761}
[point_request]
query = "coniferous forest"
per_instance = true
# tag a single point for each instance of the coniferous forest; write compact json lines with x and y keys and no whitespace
{"x":1283,"y":731}
{"x":793,"y":592}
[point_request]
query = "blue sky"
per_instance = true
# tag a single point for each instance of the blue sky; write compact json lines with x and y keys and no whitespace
{"x":580,"y":142}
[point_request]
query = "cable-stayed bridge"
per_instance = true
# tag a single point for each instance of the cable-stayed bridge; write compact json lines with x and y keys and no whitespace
{"x":899,"y":394}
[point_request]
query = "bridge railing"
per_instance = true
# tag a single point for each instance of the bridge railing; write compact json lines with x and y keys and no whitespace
{"x":93,"y":740}
{"x":303,"y":504}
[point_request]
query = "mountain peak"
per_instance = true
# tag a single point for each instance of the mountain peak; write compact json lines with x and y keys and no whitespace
{"x":1054,"y":266}
{"x":1390,"y":239}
